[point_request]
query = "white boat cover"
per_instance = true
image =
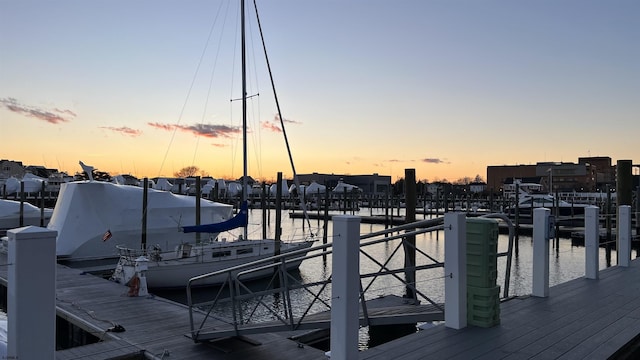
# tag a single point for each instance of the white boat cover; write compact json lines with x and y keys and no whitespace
{"x":293,"y":187}
{"x":10,"y":214}
{"x":31,"y":182}
{"x":118,"y":179}
{"x":341,"y":186}
{"x":274,"y":188}
{"x":314,"y":188}
{"x":234,"y":189}
{"x":210,"y":187}
{"x":87,"y":210}
{"x":163,"y":184}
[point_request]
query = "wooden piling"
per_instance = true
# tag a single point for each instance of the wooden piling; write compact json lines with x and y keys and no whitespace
{"x":145,"y":192}
{"x":42,"y":188}
{"x":263,"y":205}
{"x":326,"y":219}
{"x":22,"y":199}
{"x":386,"y":210}
{"x":276,"y":248}
{"x":278,"y":214}
{"x":557,"y":223}
{"x":198,"y":209}
{"x":637,"y":214}
{"x":517,"y":215}
{"x":624,"y":183}
{"x":410,"y":240}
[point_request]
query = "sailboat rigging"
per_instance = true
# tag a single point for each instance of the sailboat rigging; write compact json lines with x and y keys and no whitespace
{"x":243,"y":98}
{"x":174,"y":268}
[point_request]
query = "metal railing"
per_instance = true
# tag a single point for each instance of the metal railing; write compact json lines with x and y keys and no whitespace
{"x":244,"y":306}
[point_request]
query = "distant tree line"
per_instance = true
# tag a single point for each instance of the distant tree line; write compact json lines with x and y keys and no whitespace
{"x":458,"y":187}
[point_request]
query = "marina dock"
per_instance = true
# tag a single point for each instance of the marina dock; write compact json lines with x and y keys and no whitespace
{"x":580,"y":319}
{"x":148,"y":327}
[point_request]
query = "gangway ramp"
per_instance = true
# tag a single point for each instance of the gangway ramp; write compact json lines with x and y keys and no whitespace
{"x":387,"y":310}
{"x":288,"y":303}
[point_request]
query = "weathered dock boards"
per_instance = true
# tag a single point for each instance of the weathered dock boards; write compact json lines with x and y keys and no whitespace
{"x":581,"y":319}
{"x":153,"y":326}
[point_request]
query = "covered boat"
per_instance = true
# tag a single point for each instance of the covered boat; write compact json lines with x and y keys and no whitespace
{"x":31,"y":183}
{"x":315,"y":188}
{"x":31,"y":215}
{"x":342,"y":186}
{"x":92,"y":217}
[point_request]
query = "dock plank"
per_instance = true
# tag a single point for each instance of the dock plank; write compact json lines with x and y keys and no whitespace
{"x":580,"y":319}
{"x":153,"y":325}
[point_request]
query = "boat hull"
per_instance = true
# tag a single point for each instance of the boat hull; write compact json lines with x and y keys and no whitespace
{"x":169,"y":270}
{"x":167,"y":278}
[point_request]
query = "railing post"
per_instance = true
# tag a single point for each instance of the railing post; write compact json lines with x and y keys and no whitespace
{"x":541,"y":235}
{"x":624,"y":235}
{"x":455,"y":269}
{"x":345,"y":290}
{"x":592,"y":242}
{"x":31,"y":293}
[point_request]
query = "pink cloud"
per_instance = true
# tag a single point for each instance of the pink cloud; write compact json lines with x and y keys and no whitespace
{"x":276,"y":119}
{"x":271,"y":126}
{"x":432,"y":160}
{"x":274,"y":125}
{"x":124,"y":130}
{"x":204,"y":130}
{"x":12,"y":104}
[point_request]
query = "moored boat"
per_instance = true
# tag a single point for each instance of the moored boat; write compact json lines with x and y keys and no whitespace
{"x":529,"y":201}
{"x":173,"y":269}
{"x":169,"y":268}
{"x":31,"y":215}
{"x":92,"y":217}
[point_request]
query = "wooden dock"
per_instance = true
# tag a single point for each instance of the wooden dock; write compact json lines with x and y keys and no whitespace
{"x":581,"y":319}
{"x":153,"y":327}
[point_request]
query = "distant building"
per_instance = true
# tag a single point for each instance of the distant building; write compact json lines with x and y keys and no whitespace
{"x":130,"y":179}
{"x":9,"y":168}
{"x":477,"y":187}
{"x":40,"y":171}
{"x":567,"y":177}
{"x":497,"y":175}
{"x":605,"y":172}
{"x":556,"y":176}
{"x":435,"y":188}
{"x":369,"y":184}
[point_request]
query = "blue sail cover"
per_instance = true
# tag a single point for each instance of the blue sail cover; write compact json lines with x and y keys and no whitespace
{"x":240,"y":220}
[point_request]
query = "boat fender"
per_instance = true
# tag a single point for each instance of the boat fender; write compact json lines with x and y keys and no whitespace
{"x":134,"y":286}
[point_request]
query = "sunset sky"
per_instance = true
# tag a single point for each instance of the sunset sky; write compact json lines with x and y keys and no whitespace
{"x":365,"y":86}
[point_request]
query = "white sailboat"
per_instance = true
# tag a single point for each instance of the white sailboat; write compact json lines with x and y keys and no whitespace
{"x":174,"y":268}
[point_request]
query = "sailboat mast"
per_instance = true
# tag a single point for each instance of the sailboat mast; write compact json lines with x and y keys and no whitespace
{"x":244,"y":110}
